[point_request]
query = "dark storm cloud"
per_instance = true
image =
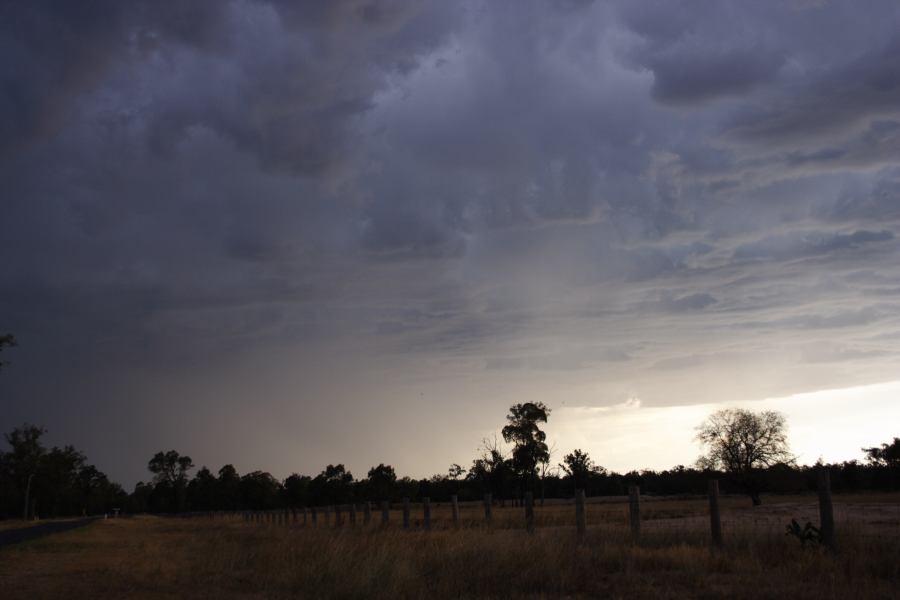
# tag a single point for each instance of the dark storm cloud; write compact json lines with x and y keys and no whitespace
{"x":54,"y":50}
{"x":701,"y":51}
{"x":625,"y":195}
{"x":832,"y":99}
{"x":244,"y":76}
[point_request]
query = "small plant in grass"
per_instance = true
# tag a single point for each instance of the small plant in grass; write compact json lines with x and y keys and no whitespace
{"x":807,"y":534}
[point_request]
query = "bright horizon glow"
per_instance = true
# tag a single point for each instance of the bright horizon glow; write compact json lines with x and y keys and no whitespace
{"x":827,"y":424}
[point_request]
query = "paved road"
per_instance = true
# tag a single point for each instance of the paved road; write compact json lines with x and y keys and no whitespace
{"x":22,"y":534}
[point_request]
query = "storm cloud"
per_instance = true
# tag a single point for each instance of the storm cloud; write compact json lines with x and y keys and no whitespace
{"x":285,"y":214}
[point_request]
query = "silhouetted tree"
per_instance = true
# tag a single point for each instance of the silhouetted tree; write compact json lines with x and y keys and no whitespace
{"x":96,"y":492}
{"x":55,"y":482}
{"x":259,"y":491}
{"x":579,"y":468}
{"x":529,"y":442}
{"x":492,"y":469}
{"x":202,"y":490}
{"x":170,"y":472}
{"x":741,"y":442}
{"x":141,"y":497}
{"x":380,"y":482}
{"x":297,"y":490}
{"x":455,"y":472}
{"x":333,"y":485}
{"x":25,"y":459}
{"x":407,"y":487}
{"x":228,"y":485}
{"x":887,"y":455}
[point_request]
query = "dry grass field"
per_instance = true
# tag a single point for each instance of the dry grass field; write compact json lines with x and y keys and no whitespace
{"x":225,"y":557}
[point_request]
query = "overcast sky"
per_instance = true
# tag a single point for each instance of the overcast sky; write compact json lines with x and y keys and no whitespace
{"x":285,"y":234}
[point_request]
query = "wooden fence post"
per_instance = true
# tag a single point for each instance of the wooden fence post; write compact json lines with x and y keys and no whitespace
{"x":385,"y":512}
{"x":406,"y":513}
{"x":529,"y":512}
{"x":487,"y":506}
{"x":338,"y":517}
{"x":352,"y":510}
{"x":454,"y":503}
{"x":304,"y":516}
{"x":367,"y":513}
{"x":426,"y":512}
{"x":715,"y":520}
{"x":826,"y":511}
{"x":580,"y":516}
{"x":634,"y":510}
{"x":313,"y":515}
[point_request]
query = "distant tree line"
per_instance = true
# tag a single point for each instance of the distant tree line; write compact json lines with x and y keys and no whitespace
{"x":36,"y":481}
{"x":259,"y":490}
{"x":746,"y":451}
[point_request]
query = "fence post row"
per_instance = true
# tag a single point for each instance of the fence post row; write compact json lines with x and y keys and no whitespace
{"x":352,"y":514}
{"x":367,"y":513}
{"x":385,"y":511}
{"x":715,"y":520}
{"x":826,"y":511}
{"x":580,"y":516}
{"x":634,"y":510}
{"x":454,"y":503}
{"x":487,"y":506}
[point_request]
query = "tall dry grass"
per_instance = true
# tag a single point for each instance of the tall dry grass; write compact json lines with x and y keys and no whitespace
{"x":150,"y":557}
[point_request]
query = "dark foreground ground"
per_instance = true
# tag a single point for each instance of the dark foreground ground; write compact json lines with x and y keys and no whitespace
{"x":153,"y":557}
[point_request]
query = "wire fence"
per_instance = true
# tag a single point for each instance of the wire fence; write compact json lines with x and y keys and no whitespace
{"x":688,"y":520}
